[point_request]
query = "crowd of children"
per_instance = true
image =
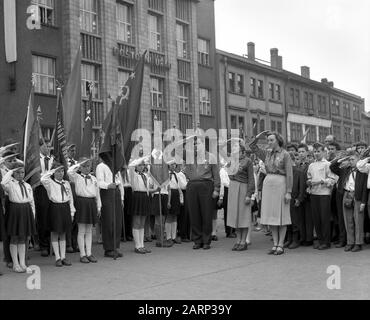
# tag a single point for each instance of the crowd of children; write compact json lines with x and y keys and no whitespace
{"x":319,"y":194}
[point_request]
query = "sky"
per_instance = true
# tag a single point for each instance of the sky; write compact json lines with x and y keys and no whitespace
{"x":332,"y":37}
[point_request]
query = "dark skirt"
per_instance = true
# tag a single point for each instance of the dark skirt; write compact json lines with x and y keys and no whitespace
{"x":155,"y":204}
{"x":2,"y":223}
{"x":140,"y":204}
{"x":175,"y":202}
{"x":20,"y":220}
{"x":86,"y":211}
{"x":60,"y":220}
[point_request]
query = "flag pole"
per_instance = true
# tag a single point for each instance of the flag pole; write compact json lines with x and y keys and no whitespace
{"x":114,"y":178}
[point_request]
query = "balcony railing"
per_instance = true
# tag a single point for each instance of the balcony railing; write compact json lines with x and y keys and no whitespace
{"x":91,"y":47}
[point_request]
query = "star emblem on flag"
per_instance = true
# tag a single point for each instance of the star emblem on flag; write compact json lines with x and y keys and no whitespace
{"x":132,"y":75}
{"x":157,"y":154}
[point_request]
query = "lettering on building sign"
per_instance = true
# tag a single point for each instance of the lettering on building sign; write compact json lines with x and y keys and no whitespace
{"x":150,"y":59}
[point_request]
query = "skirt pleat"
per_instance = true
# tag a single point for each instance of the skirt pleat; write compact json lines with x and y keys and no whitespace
{"x":155,"y":205}
{"x":140,"y":204}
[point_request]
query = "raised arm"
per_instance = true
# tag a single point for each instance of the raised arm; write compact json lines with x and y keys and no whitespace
{"x":6,"y":179}
{"x":72,"y":172}
{"x":363,"y":165}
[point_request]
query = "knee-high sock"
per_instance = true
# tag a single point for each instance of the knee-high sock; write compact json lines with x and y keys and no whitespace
{"x":62,"y":244}
{"x":14,"y":254}
{"x":22,"y":255}
{"x":81,"y":239}
{"x":136,"y":235}
{"x":214,"y":227}
{"x":142,"y":234}
{"x":88,"y":239}
{"x":174,"y":230}
{"x":55,"y":245}
{"x":168,"y":229}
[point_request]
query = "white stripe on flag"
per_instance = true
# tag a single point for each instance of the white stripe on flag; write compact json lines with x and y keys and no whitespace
{"x":10,"y":30}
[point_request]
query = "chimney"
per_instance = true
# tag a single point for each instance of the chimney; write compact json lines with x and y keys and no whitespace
{"x":305,"y":72}
{"x":251,"y":51}
{"x":331,"y":84}
{"x":324,"y":81}
{"x":274,"y":57}
{"x":280,"y":63}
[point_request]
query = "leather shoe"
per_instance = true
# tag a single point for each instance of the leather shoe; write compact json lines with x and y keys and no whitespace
{"x":140,"y":251}
{"x":118,"y":254}
{"x":66,"y":263}
{"x":59,"y":263}
{"x":197,"y":246}
{"x":92,"y":259}
{"x":324,"y":247}
{"x":84,"y":260}
{"x":176,"y":241}
{"x":9,"y":265}
{"x":316,"y":246}
{"x":307,"y":243}
{"x":340,"y":245}
{"x":214,"y":238}
{"x":242,"y":247}
{"x":206,"y":247}
{"x":356,"y":248}
{"x":109,"y":254}
{"x":348,"y":248}
{"x":147,"y":250}
{"x":287,"y":244}
{"x":70,"y":250}
{"x":294,"y":245}
{"x":44,"y":253}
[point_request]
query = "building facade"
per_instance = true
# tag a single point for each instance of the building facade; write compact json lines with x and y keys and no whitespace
{"x":178,"y":36}
{"x":257,"y":95}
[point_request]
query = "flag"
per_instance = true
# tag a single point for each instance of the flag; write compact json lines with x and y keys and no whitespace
{"x":10,"y":31}
{"x":87,"y":136}
{"x":31,"y":145}
{"x":111,"y":150}
{"x":60,"y":142}
{"x":129,"y":106}
{"x":72,"y":104}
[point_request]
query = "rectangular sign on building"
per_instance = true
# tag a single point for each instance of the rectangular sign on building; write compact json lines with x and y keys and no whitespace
{"x":10,"y":29}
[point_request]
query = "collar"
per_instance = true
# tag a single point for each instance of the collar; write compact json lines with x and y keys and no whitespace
{"x":277,"y":150}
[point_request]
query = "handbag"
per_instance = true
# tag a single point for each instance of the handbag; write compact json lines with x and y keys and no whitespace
{"x":349,"y":199}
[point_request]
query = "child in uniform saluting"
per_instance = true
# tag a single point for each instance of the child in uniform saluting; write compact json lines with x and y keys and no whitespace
{"x":60,"y":211}
{"x":88,"y":205}
{"x":20,"y":224}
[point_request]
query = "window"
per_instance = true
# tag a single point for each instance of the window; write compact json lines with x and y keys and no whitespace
{"x":240,"y":83}
{"x":233,"y":122}
{"x":203,"y":52}
{"x":356,"y":112}
{"x":347,"y":134}
{"x":124,"y":23}
{"x":323,"y":133}
{"x":262,"y":125}
{"x":277,"y":92}
{"x":90,"y":73}
{"x":322,"y":104}
{"x":182,"y":41}
{"x":183,"y":10}
{"x":253,"y":87}
{"x":357,"y":135}
{"x":183,"y":97}
{"x":157,"y":92}
{"x":155,"y":32}
{"x":205,"y":102}
{"x":335,"y":107}
{"x":255,"y":126}
{"x":260,"y":89}
{"x":231,"y":81}
{"x":241,"y":127}
{"x":311,"y":135}
{"x":310,"y":101}
{"x":43,"y":70}
{"x":89,"y":15}
{"x":46,"y":11}
{"x":156,"y":5}
{"x":337,"y":131}
{"x":346,"y":110}
{"x":271,"y":91}
{"x":276,"y":126}
{"x":292,"y":97}
{"x":297,"y":98}
{"x":305,"y":100}
{"x":296,"y":132}
{"x":123,"y":76}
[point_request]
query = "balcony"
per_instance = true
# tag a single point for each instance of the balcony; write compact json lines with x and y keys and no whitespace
{"x":126,"y":56}
{"x":183,"y":69}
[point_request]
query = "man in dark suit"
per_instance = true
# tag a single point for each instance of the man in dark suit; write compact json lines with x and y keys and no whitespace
{"x":353,"y":185}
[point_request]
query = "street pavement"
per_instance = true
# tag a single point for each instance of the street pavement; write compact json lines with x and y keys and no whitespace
{"x":180,"y":273}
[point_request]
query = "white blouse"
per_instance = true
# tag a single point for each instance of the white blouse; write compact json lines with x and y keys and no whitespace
{"x":137,"y":181}
{"x":85,"y":186}
{"x":55,"y":193}
{"x":183,"y":182}
{"x":104,"y":176}
{"x":174,"y":184}
{"x":16,"y":192}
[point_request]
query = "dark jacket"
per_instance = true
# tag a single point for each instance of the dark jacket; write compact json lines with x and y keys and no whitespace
{"x":360,"y":181}
{"x":299,"y":185}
